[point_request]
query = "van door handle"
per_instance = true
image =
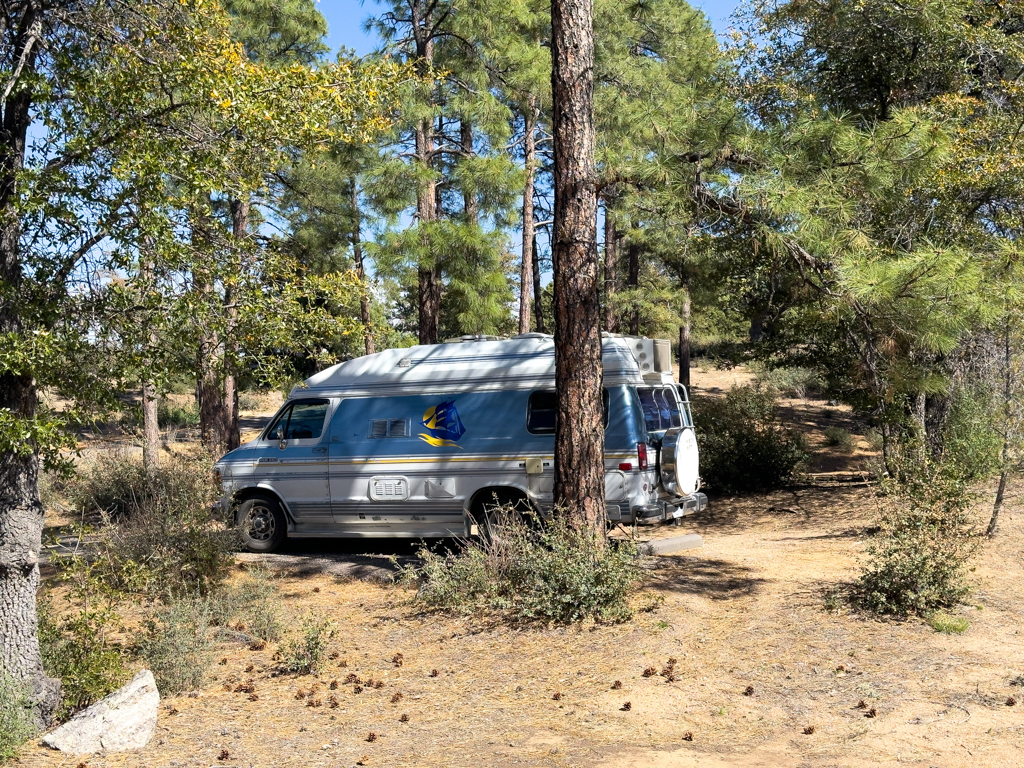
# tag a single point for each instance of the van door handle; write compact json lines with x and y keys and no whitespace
{"x":320,"y":450}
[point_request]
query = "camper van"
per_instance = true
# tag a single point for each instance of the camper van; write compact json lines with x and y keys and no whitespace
{"x":423,"y":441}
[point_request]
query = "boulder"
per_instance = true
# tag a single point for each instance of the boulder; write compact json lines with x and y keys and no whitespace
{"x":123,"y":720}
{"x":672,"y":545}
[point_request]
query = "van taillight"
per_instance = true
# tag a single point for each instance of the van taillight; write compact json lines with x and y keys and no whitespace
{"x":641,"y":455}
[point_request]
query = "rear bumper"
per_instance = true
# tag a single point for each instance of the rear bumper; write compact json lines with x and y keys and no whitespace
{"x":671,"y":509}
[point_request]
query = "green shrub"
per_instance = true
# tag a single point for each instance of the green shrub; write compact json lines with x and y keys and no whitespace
{"x":920,"y":558}
{"x":305,"y":654}
{"x":796,"y":382}
{"x":743,"y":446}
{"x":837,"y":437}
{"x":948,"y":625}
{"x":250,"y":401}
{"x":77,"y":645}
{"x":553,"y":573}
{"x":177,"y":643}
{"x":163,"y":536}
{"x":970,"y":438}
{"x":17,"y":723}
{"x":171,"y":414}
{"x":258,"y":607}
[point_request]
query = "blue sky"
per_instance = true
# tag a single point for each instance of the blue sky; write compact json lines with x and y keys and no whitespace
{"x":345,"y":20}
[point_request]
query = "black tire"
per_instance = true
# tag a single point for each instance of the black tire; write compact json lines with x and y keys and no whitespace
{"x":261,"y":523}
{"x":491,"y":508}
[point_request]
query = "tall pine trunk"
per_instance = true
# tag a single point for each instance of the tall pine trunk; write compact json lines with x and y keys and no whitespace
{"x":21,"y":513}
{"x":633,"y":282}
{"x":538,"y":291}
{"x":429,"y":276}
{"x":579,"y":432}
{"x":529,"y":228}
{"x":684,"y":341}
{"x":611,"y":266}
{"x":357,"y":255}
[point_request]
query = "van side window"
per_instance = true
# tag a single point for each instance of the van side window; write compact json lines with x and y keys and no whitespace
{"x":302,"y":420}
{"x":540,"y":414}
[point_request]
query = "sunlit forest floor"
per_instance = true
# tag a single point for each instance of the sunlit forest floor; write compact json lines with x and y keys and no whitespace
{"x":765,"y":673}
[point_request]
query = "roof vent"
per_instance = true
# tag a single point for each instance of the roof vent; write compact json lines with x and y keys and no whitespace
{"x":405,"y":362}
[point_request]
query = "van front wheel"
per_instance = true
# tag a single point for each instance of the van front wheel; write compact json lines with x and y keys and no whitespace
{"x":261,"y":524}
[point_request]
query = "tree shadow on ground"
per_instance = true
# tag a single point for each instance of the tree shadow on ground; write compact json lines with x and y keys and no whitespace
{"x":706,"y":577}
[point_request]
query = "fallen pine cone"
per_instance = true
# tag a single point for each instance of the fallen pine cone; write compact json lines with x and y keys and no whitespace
{"x":404,"y":718}
{"x":871,"y":713}
{"x":259,"y":645}
{"x":172,"y":710}
{"x":223,"y":661}
{"x":379,"y":684}
{"x":224,"y":755}
{"x":396,"y":698}
{"x":616,"y":685}
{"x":808,"y":730}
{"x":332,"y":702}
{"x":434,"y":673}
{"x":626,"y":707}
{"x":333,"y":655}
{"x":748,"y":691}
{"x":254,"y":697}
{"x":314,"y":703}
{"x":398,"y":659}
{"x":650,"y":672}
{"x":300,"y":694}
{"x":557,"y":696}
{"x":357,"y":689}
{"x":248,"y":686}
{"x":334,"y":685}
{"x":250,"y":668}
{"x":862,"y":704}
{"x":353,"y":678}
{"x":316,"y":589}
{"x":372,"y":736}
{"x":343,"y":663}
{"x":364,"y":760}
{"x":1010,"y":701}
{"x":687,"y":736}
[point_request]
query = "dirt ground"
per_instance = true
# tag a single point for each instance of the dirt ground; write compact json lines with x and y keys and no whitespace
{"x":764,"y":675}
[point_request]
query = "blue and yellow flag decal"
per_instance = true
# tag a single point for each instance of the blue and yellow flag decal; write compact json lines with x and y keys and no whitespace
{"x":443,"y":424}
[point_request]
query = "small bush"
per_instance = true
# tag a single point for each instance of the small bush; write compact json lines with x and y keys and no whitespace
{"x":837,"y":437}
{"x":920,"y":559}
{"x":970,"y":438}
{"x":743,"y":446}
{"x":257,"y":605}
{"x":553,"y":573}
{"x":177,"y":643}
{"x":162,"y":536}
{"x":948,"y":625}
{"x":77,"y":645}
{"x":171,"y":414}
{"x":17,"y":723}
{"x":795,"y":382}
{"x":305,"y":655}
{"x":874,"y":439}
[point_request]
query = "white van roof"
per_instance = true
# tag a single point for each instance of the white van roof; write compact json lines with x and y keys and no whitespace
{"x":523,"y":362}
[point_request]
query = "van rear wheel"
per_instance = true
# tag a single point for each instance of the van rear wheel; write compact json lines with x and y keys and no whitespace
{"x":494,"y":510}
{"x":261,"y":523}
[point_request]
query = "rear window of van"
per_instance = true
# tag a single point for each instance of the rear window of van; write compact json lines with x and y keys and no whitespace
{"x":661,"y":410}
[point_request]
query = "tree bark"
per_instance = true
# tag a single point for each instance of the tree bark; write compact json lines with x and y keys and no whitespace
{"x":426,"y":206}
{"x":209,"y":384}
{"x":21,"y":513}
{"x":529,"y":229}
{"x":611,"y":267}
{"x":538,"y":291}
{"x":684,"y":341}
{"x":633,"y":281}
{"x":997,"y":505}
{"x":231,"y":426}
{"x":579,"y":432}
{"x":357,"y":255}
{"x":150,"y":396}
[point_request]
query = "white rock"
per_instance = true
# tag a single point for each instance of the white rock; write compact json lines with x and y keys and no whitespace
{"x":123,"y":720}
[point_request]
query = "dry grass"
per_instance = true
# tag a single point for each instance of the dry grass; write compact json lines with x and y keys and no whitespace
{"x":745,"y":613}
